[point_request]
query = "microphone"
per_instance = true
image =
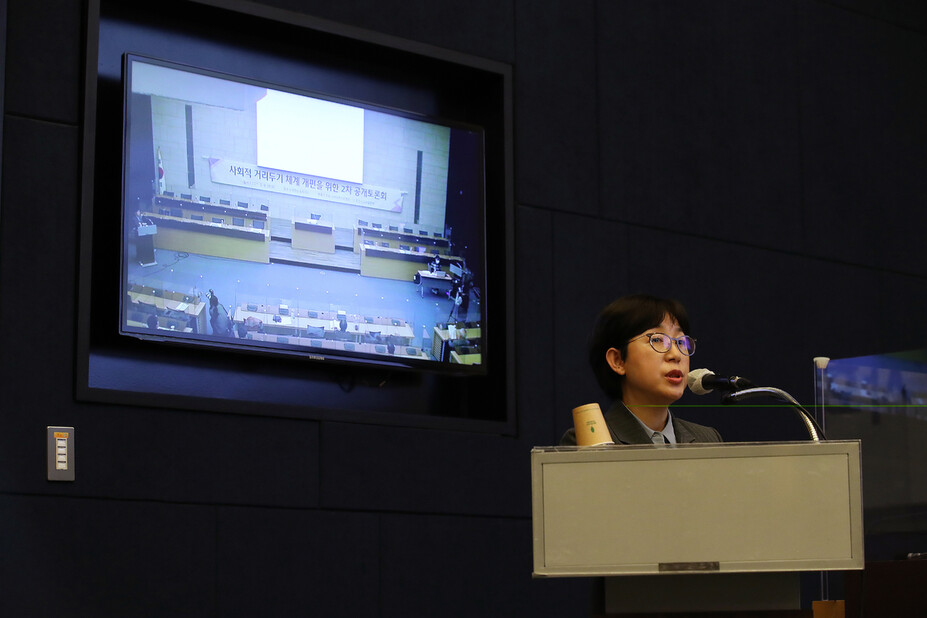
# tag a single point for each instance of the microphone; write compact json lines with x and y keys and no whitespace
{"x":703,"y":381}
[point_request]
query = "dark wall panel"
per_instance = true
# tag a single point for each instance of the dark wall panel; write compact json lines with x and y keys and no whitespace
{"x":133,"y":453}
{"x":38,"y":244}
{"x":699,"y":118}
{"x":394,"y":469}
{"x":296,"y":563}
{"x":69,"y":557}
{"x":591,"y":267}
{"x":536,"y":345}
{"x":147,"y":454}
{"x":482,"y":27}
{"x":555,"y":86}
{"x":911,"y":15}
{"x":453,"y":566}
{"x":44,"y":80}
{"x":865,"y":139}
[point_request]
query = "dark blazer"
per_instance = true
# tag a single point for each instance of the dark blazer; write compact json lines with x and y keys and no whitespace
{"x":626,"y":429}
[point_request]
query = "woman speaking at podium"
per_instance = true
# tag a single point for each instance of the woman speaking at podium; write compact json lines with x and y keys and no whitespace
{"x":639,"y":352}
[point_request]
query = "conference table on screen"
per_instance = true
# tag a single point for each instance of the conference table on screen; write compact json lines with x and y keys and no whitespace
{"x":397,"y":251}
{"x":187,"y":207}
{"x":398,"y":264}
{"x":163,"y":324}
{"x":465,"y":359}
{"x":444,"y":339}
{"x":357,"y":329}
{"x":313,"y":235}
{"x":222,"y":230}
{"x":413,"y":240}
{"x":211,"y":238}
{"x":440,"y":280}
{"x":177,"y":302}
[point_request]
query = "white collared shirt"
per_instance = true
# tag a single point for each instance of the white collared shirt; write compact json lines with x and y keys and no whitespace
{"x":658,"y":436}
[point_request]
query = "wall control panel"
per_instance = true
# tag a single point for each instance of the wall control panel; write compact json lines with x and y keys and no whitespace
{"x":60,"y":448}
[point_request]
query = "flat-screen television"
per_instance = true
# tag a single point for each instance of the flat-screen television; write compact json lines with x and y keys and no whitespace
{"x":327,"y":271}
{"x":288,"y":217}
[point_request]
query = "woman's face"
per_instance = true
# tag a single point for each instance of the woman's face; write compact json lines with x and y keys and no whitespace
{"x":652,"y":378}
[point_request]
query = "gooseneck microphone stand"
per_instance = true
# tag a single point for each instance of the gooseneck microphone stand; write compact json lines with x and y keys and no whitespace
{"x":813,"y":428}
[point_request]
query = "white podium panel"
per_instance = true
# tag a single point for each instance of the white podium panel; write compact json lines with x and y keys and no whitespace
{"x":737,"y":507}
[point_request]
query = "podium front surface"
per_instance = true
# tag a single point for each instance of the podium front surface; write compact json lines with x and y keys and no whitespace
{"x":144,"y":245}
{"x":697,"y":508}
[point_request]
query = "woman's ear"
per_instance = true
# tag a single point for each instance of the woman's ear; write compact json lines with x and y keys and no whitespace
{"x":614,"y":360}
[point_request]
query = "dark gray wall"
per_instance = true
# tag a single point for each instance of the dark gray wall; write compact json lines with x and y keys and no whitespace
{"x":763,"y":161}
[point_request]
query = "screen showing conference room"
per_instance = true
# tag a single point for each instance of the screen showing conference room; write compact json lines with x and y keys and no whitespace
{"x":882,"y":401}
{"x":269,"y":220}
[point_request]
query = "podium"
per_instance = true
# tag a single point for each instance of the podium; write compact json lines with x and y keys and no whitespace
{"x":699,"y":527}
{"x":145,"y":244}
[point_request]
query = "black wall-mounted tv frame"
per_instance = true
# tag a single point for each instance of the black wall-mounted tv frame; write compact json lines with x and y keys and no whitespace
{"x":405,"y":74}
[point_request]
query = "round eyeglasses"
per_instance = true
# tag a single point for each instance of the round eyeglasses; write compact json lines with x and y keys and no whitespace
{"x":662,"y":343}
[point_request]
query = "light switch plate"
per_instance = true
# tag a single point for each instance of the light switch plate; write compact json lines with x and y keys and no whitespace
{"x":60,"y":449}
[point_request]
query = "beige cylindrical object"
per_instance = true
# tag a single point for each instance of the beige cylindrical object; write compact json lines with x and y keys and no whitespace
{"x":590,"y":426}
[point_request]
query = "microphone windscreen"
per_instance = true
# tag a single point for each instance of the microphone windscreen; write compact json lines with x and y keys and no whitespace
{"x":695,"y":381}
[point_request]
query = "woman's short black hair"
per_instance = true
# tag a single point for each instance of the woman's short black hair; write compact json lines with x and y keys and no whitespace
{"x":621,"y":320}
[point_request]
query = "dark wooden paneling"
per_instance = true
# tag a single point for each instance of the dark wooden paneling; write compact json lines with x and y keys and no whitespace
{"x":887,"y":589}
